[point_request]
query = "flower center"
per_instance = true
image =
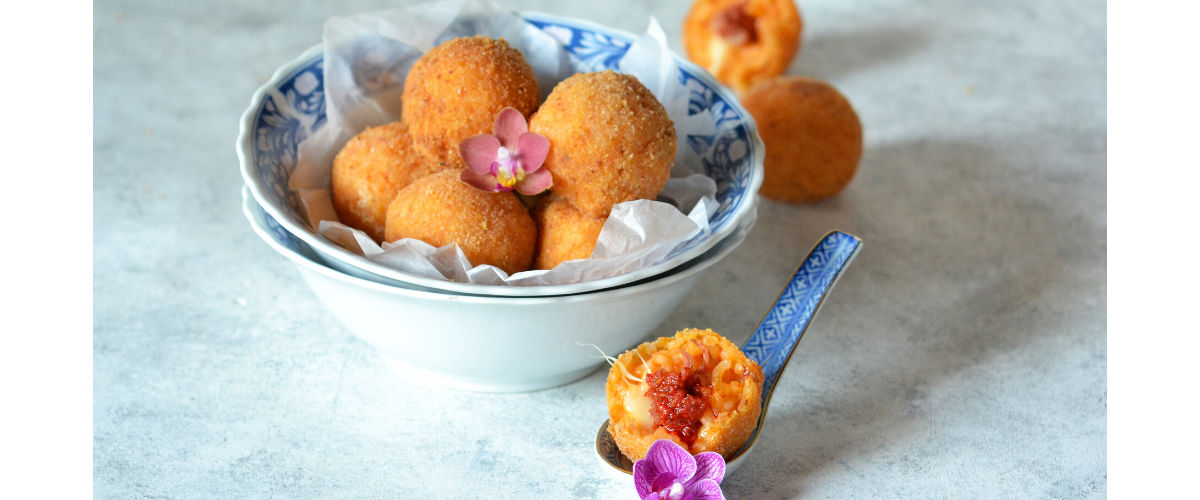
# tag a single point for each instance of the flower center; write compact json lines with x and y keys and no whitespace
{"x":507,"y":168}
{"x":673,"y":492}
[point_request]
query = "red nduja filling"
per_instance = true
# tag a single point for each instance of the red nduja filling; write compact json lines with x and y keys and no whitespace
{"x":677,"y":401}
{"x":735,"y":25}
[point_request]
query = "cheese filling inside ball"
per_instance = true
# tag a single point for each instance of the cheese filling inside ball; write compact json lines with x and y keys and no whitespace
{"x":695,"y":388}
{"x":742,"y":42}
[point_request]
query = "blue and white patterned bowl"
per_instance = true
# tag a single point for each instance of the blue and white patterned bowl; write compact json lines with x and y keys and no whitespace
{"x":291,"y":106}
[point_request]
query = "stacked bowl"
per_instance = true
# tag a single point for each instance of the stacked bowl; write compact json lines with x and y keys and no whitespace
{"x":483,"y":337}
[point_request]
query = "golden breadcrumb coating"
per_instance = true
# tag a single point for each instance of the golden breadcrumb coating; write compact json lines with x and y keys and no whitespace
{"x":368,"y":172}
{"x":611,"y":141}
{"x":491,"y":228}
{"x":455,"y":91}
{"x":812,"y":136}
{"x":742,"y":42}
{"x":732,"y":382}
{"x":564,"y":233}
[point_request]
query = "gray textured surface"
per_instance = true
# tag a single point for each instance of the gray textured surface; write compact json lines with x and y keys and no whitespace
{"x":962,"y":356}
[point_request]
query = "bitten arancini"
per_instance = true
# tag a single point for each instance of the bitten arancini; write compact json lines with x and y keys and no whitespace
{"x":742,"y":42}
{"x":812,"y":136}
{"x":611,"y":141}
{"x":490,"y":228}
{"x":369,"y":170}
{"x":695,"y":388}
{"x":455,"y":90}
{"x":564,"y":233}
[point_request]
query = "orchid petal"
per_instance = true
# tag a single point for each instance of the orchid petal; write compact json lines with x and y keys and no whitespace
{"x":663,"y":481}
{"x":535,"y":182}
{"x":532,"y":149}
{"x":709,"y":465}
{"x":706,"y":489}
{"x":479,"y":152}
{"x":485,"y":182}
{"x":644,"y":474}
{"x":668,"y":456}
{"x":510,"y":124}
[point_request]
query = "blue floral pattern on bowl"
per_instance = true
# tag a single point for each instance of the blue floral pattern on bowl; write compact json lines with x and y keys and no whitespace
{"x":588,"y":49}
{"x":288,"y":115}
{"x":263,"y":222}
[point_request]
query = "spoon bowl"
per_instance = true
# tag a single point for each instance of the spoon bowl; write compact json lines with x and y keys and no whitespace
{"x":775,"y":339}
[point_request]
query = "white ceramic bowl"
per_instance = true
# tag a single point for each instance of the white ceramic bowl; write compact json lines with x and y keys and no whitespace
{"x":290,"y":106}
{"x":492,"y":344}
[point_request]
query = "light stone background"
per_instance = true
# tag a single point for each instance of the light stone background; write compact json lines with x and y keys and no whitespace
{"x":963,"y":355}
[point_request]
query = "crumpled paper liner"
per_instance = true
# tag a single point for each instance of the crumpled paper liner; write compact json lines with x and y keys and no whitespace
{"x":366,"y":60}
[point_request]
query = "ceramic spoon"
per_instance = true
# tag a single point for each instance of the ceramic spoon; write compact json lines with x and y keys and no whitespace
{"x":772,"y":344}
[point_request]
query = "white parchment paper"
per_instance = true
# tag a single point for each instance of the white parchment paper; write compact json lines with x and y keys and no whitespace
{"x":366,"y":60}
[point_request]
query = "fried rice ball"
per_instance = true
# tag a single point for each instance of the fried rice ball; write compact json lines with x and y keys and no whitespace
{"x":490,"y":228}
{"x":611,"y":141}
{"x":369,"y":170}
{"x":742,"y":42}
{"x":812,"y":136}
{"x":695,"y":388}
{"x":564,"y":233}
{"x":455,"y":90}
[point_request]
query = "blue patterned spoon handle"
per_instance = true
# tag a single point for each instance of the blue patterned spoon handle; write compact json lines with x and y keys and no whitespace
{"x":773,"y":342}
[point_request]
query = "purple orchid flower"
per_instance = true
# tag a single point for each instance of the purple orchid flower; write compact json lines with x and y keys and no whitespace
{"x":669,"y":472}
{"x":509,"y":158}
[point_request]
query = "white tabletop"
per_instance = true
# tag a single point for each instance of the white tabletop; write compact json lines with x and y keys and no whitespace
{"x":963,"y":355}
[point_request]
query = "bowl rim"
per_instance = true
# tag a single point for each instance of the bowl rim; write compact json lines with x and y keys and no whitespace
{"x":326,"y":249}
{"x":249,"y":203}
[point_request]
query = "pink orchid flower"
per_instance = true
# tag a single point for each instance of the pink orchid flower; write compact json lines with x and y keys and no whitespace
{"x":509,"y":158}
{"x":669,"y":472}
